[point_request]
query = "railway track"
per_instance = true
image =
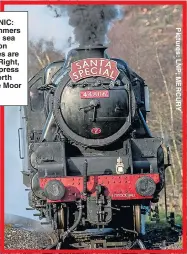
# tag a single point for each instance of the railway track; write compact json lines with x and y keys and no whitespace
{"x":157,"y":238}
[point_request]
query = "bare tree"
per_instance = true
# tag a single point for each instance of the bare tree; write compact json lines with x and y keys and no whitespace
{"x":42,"y":53}
{"x":145,"y":38}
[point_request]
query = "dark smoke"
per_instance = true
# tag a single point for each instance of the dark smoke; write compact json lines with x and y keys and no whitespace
{"x":90,"y":22}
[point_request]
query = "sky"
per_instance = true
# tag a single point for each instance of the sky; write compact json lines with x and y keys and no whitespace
{"x":41,"y":24}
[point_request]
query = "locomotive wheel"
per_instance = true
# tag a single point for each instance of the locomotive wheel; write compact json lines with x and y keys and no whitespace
{"x":60,"y":220}
{"x":137,"y":218}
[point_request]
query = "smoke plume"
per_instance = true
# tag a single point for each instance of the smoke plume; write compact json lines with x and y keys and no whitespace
{"x":90,"y":22}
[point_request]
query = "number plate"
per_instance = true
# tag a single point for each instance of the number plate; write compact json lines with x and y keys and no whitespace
{"x":96,"y":131}
{"x":90,"y":94}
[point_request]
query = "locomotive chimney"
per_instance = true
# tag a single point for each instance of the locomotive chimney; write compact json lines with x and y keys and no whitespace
{"x":85,"y":52}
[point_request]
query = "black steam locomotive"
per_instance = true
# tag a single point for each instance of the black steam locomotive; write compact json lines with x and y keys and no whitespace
{"x":90,"y":160}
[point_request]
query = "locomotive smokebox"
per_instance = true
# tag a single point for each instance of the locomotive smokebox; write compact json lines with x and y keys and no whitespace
{"x":94,"y":107}
{"x":76,"y":54}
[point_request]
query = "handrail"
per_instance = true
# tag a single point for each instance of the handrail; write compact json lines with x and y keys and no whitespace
{"x":19,"y":136}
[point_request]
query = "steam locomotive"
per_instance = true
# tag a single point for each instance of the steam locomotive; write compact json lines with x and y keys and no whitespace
{"x":89,"y":158}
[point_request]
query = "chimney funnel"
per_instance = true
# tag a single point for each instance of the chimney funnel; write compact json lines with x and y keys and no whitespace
{"x":85,"y":52}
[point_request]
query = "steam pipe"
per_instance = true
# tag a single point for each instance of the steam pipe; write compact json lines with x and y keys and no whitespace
{"x":144,"y":124}
{"x":46,"y":135}
{"x":146,"y":92}
{"x":80,"y":207}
